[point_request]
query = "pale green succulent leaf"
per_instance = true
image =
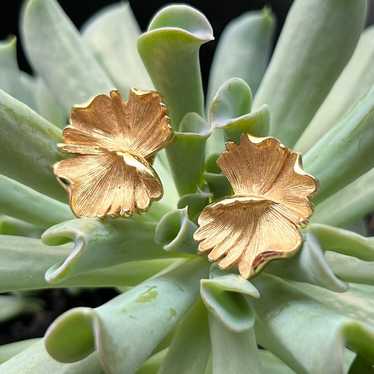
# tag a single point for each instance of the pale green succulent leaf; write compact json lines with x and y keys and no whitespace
{"x":356,"y":80}
{"x":14,"y":226}
{"x":348,"y":205}
{"x":195,"y":203}
{"x":233,"y":99}
{"x":15,"y":82}
{"x":170,"y":52}
{"x":162,"y":167}
{"x":308,"y":265}
{"x":174,"y":232}
{"x":8,"y":53}
{"x":28,"y":147}
{"x":153,"y":364}
{"x":243,"y":50}
{"x":24,"y":203}
{"x":351,"y":269}
{"x":97,"y":244}
{"x":58,"y":54}
{"x":186,"y":153}
{"x":312,"y":50}
{"x":12,"y":306}
{"x":272,"y":364}
{"x":343,"y":241}
{"x":7,"y":351}
{"x":346,"y":151}
{"x":232,"y":352}
{"x":112,"y":36}
{"x":47,"y":106}
{"x":190,"y":347}
{"x":333,"y":321}
{"x":146,"y":313}
{"x":36,"y":359}
{"x":224,"y":295}
{"x":30,"y":259}
{"x":230,"y":115}
{"x":218,"y":184}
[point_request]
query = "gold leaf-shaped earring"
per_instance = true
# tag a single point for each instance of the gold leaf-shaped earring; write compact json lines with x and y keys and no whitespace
{"x":114,"y":143}
{"x":271,"y":200}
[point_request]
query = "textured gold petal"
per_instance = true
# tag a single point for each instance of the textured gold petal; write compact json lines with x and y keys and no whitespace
{"x":263,"y":167}
{"x":271,"y":200}
{"x":108,"y":184}
{"x":148,"y":123}
{"x":139,"y":126}
{"x":116,"y":141}
{"x":246,"y":232}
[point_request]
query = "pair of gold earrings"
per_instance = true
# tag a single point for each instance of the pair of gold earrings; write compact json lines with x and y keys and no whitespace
{"x":114,"y":143}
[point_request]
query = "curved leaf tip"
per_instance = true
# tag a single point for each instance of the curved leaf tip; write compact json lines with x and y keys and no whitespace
{"x":184,"y":17}
{"x":77,"y":325}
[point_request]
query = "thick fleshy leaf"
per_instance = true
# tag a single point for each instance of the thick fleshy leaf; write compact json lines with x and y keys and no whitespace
{"x":59,"y":55}
{"x":13,"y":305}
{"x":233,"y":99}
{"x":351,"y":269}
{"x":170,"y":52}
{"x":28,"y":147}
{"x":186,"y":154}
{"x":153,"y":364}
{"x":314,"y":46}
{"x":146,"y":313}
{"x":8,"y":53}
{"x":14,"y":226}
{"x":15,"y":82}
{"x":243,"y":50}
{"x":24,"y":262}
{"x":272,"y":364}
{"x":230,"y":115}
{"x":344,"y":241}
{"x":174,"y":232}
{"x":308,"y":265}
{"x":36,"y":359}
{"x":233,"y":352}
{"x":195,"y":203}
{"x":224,"y":295}
{"x":99,"y":244}
{"x":162,"y":167}
{"x":346,"y":151}
{"x":22,"y":202}
{"x":47,"y":106}
{"x":190,"y":347}
{"x":348,"y":205}
{"x":333,"y":319}
{"x":218,"y":184}
{"x":112,"y":36}
{"x":355,"y":81}
{"x":7,"y":351}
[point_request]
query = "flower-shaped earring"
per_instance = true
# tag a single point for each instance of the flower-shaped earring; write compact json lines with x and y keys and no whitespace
{"x":271,"y":201}
{"x":114,"y":142}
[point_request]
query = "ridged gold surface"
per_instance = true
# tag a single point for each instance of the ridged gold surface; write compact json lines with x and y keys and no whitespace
{"x":114,"y":142}
{"x":271,"y":201}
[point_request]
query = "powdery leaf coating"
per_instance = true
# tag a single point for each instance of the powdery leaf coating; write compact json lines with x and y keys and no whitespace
{"x":271,"y":201}
{"x":114,"y":142}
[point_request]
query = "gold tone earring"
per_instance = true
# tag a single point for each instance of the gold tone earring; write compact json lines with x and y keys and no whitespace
{"x":262,"y":220}
{"x":114,"y":143}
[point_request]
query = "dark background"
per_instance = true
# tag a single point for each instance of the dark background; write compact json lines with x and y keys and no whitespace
{"x":218,"y":12}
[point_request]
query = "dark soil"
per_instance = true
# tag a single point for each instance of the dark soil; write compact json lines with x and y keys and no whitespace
{"x":54,"y":303}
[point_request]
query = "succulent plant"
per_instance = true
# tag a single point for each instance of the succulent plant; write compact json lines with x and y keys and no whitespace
{"x":176,"y":312}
